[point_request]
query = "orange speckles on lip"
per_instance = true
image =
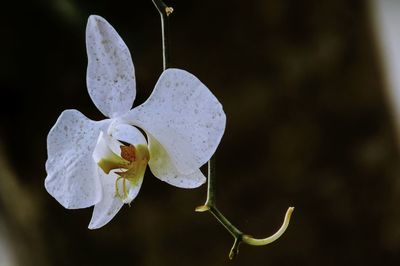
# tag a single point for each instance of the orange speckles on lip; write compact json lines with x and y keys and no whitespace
{"x":128,"y":153}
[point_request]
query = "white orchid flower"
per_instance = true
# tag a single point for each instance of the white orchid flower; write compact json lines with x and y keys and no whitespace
{"x":102,"y":163}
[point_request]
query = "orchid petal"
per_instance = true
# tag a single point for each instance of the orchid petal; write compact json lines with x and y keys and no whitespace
{"x":184,"y":117}
{"x":110,"y":204}
{"x":161,"y":166}
{"x":110,"y":73}
{"x":72,"y":177}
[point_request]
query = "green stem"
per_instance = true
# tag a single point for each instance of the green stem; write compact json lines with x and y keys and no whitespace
{"x":210,"y":204}
{"x":238,"y":236}
{"x":211,"y":189}
{"x":211,"y":200}
{"x":164,"y":11}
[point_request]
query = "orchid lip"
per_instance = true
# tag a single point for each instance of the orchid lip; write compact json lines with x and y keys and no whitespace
{"x":129,"y":165}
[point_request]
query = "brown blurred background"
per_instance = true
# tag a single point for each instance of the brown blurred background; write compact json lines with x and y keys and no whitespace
{"x":308,"y":126}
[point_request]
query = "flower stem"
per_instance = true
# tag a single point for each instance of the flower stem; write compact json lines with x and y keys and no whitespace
{"x":210,"y":204}
{"x":239,"y":237}
{"x":164,"y":11}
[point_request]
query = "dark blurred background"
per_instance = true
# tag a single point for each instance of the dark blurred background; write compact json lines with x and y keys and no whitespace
{"x":308,"y":125}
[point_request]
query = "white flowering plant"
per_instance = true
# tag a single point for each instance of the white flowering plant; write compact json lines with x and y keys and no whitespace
{"x":102,"y":163}
{"x":175,"y":132}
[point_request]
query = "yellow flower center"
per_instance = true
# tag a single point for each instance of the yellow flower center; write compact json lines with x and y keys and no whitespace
{"x":131,"y":165}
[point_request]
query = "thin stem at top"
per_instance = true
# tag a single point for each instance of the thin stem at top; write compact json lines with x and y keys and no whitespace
{"x":164,"y":11}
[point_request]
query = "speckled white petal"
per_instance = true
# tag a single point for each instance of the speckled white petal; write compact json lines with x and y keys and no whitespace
{"x":110,"y":73}
{"x":184,"y":116}
{"x":72,"y":177}
{"x":110,"y":204}
{"x":162,"y":167}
